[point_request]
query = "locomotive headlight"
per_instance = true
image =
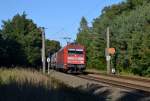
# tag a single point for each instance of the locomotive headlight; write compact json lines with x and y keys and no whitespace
{"x":65,"y":64}
{"x":81,"y":61}
{"x":80,"y":58}
{"x":70,"y":58}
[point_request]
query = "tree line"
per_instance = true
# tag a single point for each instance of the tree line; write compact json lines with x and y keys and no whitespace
{"x":21,"y":42}
{"x":129,"y":23}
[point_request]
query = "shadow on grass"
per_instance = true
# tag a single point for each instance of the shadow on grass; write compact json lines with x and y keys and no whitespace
{"x":28,"y":92}
{"x":134,"y":96}
{"x":105,"y":93}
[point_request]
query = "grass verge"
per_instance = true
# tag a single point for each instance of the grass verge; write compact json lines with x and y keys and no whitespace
{"x":30,"y":85}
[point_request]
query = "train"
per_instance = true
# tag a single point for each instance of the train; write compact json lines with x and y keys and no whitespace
{"x":71,"y":59}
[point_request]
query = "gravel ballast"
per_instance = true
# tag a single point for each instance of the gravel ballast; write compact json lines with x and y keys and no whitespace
{"x":101,"y":90}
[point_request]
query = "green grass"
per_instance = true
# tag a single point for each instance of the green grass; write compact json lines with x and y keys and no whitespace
{"x":31,"y":85}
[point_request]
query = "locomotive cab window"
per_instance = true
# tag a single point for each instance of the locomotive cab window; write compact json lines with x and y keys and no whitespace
{"x":73,"y":51}
{"x":79,"y":52}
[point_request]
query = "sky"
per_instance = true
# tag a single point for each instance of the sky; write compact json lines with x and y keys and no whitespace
{"x":61,"y":18}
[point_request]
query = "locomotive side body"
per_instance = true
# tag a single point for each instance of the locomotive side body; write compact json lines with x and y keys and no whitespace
{"x":61,"y":59}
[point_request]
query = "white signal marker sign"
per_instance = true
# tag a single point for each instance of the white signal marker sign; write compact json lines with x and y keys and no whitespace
{"x":108,"y":58}
{"x":48,"y":59}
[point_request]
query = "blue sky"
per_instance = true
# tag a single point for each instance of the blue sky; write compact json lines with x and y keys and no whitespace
{"x":60,"y":17}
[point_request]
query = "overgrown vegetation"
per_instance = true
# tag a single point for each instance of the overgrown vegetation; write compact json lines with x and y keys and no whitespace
{"x":21,"y":41}
{"x":129,"y":24}
{"x":30,"y":85}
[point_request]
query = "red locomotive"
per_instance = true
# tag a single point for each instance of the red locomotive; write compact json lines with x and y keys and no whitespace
{"x":70,"y":58}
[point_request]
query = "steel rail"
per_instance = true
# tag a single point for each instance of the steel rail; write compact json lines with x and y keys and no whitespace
{"x":141,"y":79}
{"x":124,"y":85}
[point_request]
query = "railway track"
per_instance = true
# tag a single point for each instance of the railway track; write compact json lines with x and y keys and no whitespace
{"x":121,"y":83}
{"x":142,"y":79}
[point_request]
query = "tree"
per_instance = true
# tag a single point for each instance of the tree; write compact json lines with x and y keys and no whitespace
{"x":52,"y":46}
{"x":83,"y":24}
{"x":129,"y":23}
{"x":22,"y":39}
{"x":91,"y":40}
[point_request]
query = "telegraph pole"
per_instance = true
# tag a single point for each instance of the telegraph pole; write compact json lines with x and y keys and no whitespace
{"x":43,"y":48}
{"x":107,"y":53}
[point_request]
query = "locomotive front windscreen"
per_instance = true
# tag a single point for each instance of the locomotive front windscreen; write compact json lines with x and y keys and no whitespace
{"x":75,"y":51}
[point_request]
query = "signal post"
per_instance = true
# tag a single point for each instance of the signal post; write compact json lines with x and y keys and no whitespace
{"x":43,"y":49}
{"x":109,"y":51}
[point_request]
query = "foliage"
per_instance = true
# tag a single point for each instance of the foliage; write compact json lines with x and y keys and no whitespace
{"x":87,"y":38}
{"x":20,"y":42}
{"x":133,"y":30}
{"x":52,"y":46}
{"x":129,"y":24}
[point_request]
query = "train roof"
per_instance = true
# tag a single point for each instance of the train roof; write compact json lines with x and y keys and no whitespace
{"x":71,"y":45}
{"x":75,"y":44}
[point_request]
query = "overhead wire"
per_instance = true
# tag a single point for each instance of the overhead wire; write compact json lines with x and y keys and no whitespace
{"x":90,"y":11}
